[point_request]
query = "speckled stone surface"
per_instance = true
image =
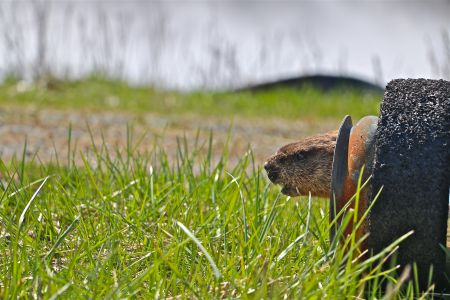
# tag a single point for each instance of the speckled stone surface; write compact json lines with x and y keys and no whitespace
{"x":412,"y":164}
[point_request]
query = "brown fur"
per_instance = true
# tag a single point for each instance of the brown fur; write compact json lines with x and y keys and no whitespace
{"x":304,"y":166}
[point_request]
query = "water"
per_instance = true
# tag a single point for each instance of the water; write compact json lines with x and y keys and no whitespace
{"x":212,"y":44}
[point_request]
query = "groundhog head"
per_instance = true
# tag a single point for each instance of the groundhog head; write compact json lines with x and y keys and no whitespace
{"x":304,"y":166}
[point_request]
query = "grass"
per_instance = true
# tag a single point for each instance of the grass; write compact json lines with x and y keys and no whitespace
{"x":137,"y":225}
{"x":140,"y":226}
{"x":99,"y":94}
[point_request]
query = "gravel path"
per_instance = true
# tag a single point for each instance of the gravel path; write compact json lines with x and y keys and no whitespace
{"x":46,"y":132}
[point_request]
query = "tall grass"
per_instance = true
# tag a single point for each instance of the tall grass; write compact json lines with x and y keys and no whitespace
{"x":138,"y":225}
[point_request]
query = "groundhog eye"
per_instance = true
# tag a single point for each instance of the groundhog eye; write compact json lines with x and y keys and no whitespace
{"x":300,"y":155}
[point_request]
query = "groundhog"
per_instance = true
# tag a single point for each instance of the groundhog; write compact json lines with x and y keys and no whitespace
{"x":304,"y":166}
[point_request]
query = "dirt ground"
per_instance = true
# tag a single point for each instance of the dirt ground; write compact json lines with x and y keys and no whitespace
{"x":47,"y":130}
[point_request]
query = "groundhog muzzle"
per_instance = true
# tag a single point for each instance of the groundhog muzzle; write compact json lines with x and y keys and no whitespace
{"x":304,"y":166}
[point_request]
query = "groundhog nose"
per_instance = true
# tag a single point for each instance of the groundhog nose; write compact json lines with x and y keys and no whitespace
{"x":272,"y":172}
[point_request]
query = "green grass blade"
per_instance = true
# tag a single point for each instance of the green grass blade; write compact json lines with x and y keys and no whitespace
{"x":22,"y":216}
{"x":217,"y":273}
{"x":62,"y":237}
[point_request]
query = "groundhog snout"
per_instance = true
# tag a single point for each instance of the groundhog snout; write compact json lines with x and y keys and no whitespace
{"x":272,"y":171}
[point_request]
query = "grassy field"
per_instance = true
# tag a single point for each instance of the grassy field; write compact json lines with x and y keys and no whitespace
{"x":138,"y":224}
{"x":99,"y":94}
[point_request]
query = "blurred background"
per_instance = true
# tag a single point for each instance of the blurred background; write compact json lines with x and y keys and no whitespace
{"x":189,"y":45}
{"x":88,"y":70}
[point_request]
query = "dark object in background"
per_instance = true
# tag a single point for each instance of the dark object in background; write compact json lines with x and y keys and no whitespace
{"x":412,"y":164}
{"x":321,"y":82}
